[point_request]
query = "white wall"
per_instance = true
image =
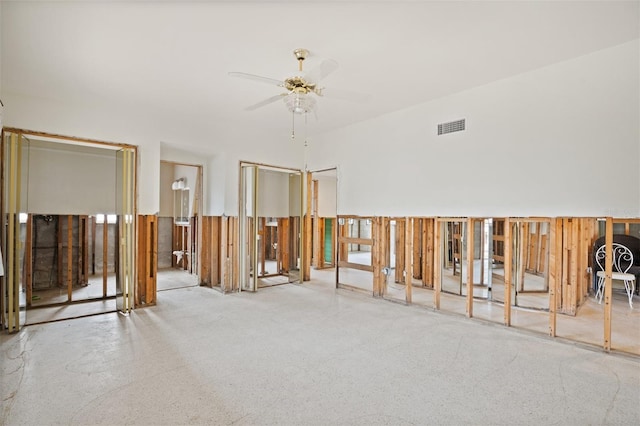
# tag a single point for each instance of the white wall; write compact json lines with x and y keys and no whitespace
{"x":109,"y":123}
{"x":166,"y":193}
{"x":277,"y":153}
{"x":214,"y":186}
{"x":62,"y":179}
{"x":561,"y":140}
{"x":273,"y":193}
{"x":326,"y":196}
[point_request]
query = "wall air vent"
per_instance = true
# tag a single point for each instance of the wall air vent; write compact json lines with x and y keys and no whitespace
{"x":450,"y":127}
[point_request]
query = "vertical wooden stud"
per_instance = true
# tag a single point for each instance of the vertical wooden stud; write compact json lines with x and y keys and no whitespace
{"x":470,"y":259}
{"x":105,"y":255}
{"x":417,"y":248}
{"x":215,"y":251}
{"x":28,"y":259}
{"x":508,"y":264}
{"x":429,"y":249}
{"x":224,"y":254}
{"x":60,"y":247}
{"x":306,"y":234}
{"x":376,"y":262}
{"x":205,"y":252}
{"x":139,"y":294}
{"x":69,"y":258}
{"x":408,"y":258}
{"x":235,"y":241}
{"x":318,"y":237}
{"x":608,"y":270}
{"x":93,"y":244}
{"x":437,"y":262}
{"x":400,"y":251}
{"x":262,"y":247}
{"x":152,"y":259}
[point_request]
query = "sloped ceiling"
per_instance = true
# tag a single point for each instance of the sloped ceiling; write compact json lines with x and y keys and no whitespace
{"x":169,"y":60}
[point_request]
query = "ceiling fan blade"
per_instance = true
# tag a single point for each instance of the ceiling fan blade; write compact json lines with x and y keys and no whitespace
{"x":265,"y":102}
{"x":259,"y":78}
{"x":321,"y":71}
{"x":345,"y":95}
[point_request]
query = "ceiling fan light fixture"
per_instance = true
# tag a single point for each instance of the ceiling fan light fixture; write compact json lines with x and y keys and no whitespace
{"x":300,"y":103}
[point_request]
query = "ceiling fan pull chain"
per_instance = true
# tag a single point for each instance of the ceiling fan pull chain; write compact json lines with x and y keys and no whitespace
{"x":305,"y":129}
{"x":293,"y":126}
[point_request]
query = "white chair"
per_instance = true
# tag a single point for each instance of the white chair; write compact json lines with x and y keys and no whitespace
{"x":622,"y":262}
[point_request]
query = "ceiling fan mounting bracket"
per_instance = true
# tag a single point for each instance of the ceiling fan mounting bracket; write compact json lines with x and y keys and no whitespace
{"x":301,"y":55}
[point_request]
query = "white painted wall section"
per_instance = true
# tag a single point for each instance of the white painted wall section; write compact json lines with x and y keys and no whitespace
{"x":63,"y":179}
{"x":560,"y":140}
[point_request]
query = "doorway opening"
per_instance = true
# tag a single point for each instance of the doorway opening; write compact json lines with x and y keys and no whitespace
{"x":179,"y":225}
{"x":67,"y":201}
{"x":324,"y":236}
{"x":271,"y":251}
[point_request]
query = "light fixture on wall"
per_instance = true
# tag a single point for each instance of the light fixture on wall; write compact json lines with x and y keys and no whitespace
{"x":178,"y":184}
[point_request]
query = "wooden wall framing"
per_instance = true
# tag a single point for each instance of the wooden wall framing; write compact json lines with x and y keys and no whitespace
{"x":147,"y":264}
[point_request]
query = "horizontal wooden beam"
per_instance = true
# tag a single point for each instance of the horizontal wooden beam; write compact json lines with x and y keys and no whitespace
{"x":351,"y":240}
{"x":359,"y":266}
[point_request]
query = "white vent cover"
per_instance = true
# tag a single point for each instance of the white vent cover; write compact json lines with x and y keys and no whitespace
{"x":450,"y":127}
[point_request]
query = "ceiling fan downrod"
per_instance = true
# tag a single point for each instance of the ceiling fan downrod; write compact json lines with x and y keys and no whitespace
{"x":301,"y":55}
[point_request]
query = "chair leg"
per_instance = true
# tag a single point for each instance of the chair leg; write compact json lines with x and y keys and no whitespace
{"x":600,"y":290}
{"x":629,"y":286}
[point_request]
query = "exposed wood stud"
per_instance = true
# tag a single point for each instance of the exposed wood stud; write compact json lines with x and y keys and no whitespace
{"x":553,"y":277}
{"x":93,"y":244}
{"x":152,"y":260}
{"x":205,"y":252}
{"x":408,"y":265}
{"x":28,"y":259}
{"x":437,"y":262}
{"x":69,"y":258}
{"x":224,"y":254}
{"x":417,"y":248}
{"x":318,"y":227}
{"x":105,"y":255}
{"x":305,"y":256}
{"x":139,"y":294}
{"x":59,"y":248}
{"x":400,"y":251}
{"x":608,"y":270}
{"x":470,"y":259}
{"x":507,"y":272}
{"x":234,"y":258}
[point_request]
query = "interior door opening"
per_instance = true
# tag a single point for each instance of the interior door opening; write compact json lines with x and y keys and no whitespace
{"x":179,"y":225}
{"x":324,"y":225}
{"x":270,"y":226}
{"x":68,"y":202}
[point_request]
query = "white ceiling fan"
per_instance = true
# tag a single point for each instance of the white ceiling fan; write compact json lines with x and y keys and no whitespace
{"x":303,"y":87}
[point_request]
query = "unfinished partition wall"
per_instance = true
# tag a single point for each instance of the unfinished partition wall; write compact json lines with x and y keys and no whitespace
{"x":355,"y":253}
{"x":219,"y":253}
{"x":477,"y":270}
{"x":397,"y":258}
{"x":608,"y":323}
{"x":529,"y":286}
{"x":72,"y":206}
{"x":147,"y":260}
{"x":452,"y":277}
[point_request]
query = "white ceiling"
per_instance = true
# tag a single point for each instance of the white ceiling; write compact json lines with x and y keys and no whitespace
{"x":169,"y":61}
